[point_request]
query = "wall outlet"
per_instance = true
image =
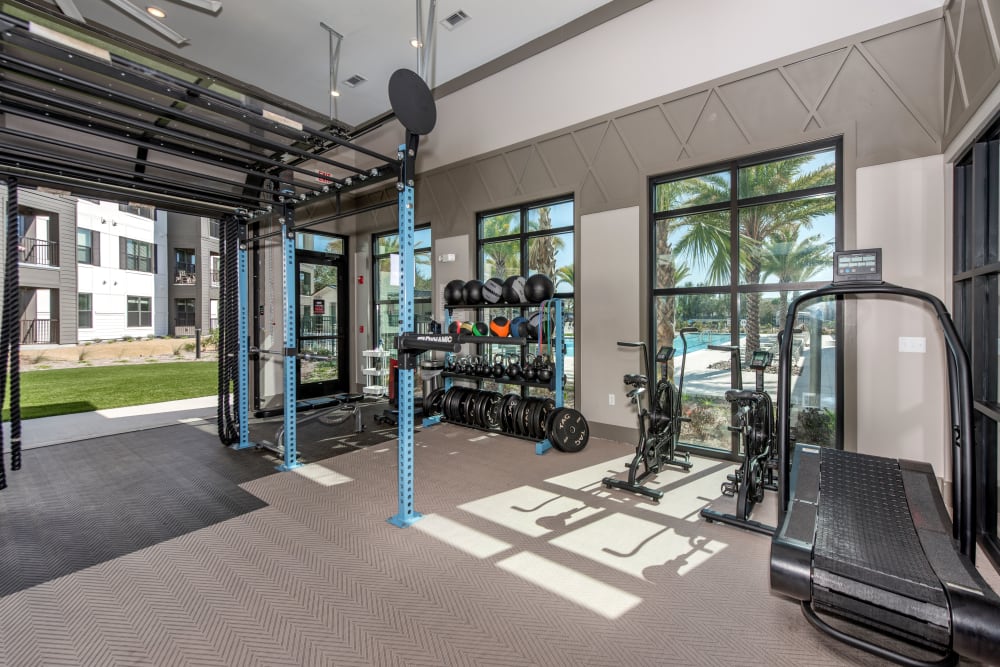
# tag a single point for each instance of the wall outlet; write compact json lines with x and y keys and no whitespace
{"x":914,"y":344}
{"x":611,"y":399}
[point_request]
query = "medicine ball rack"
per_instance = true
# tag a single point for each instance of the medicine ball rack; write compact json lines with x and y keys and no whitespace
{"x":555,"y":342}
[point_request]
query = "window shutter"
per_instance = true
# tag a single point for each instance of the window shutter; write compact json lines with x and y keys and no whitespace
{"x":121,"y":254}
{"x":95,"y":252}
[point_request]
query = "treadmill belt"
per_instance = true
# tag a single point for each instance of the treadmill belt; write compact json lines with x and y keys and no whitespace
{"x":864,"y":530}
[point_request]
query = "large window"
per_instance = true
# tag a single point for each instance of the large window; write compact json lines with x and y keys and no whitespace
{"x":386,"y":246}
{"x":977,"y":314}
{"x":529,"y":239}
{"x":732,"y":244}
{"x":138,"y":255}
{"x":139,"y":312}
{"x":85,"y":310}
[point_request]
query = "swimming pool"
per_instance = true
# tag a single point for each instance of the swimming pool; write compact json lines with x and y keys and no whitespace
{"x":701,"y":340}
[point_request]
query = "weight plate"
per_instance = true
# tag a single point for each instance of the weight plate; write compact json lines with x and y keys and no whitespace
{"x":536,"y":414}
{"x":524,"y":422}
{"x":548,"y":429}
{"x":432,"y":400}
{"x":456,"y":403}
{"x":517,"y":416}
{"x":449,"y":396}
{"x":569,"y":429}
{"x":481,"y":409}
{"x":493,"y":411}
{"x":467,"y":407}
{"x":507,"y":413}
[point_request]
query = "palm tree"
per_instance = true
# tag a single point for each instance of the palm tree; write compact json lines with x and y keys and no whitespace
{"x":501,"y":259}
{"x":542,"y":249}
{"x":565,"y":275}
{"x":707,"y":241}
{"x":793,"y":260}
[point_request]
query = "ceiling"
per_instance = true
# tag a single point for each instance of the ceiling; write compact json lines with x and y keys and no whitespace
{"x":281,"y":48}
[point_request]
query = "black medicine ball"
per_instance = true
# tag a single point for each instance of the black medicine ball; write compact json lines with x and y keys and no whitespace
{"x":519,"y":327}
{"x":480,"y":329}
{"x":473,"y":292}
{"x":513,"y":290}
{"x":493,"y":290}
{"x":539,"y":288}
{"x":453,"y":292}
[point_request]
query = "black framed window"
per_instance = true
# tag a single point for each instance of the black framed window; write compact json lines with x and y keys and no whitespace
{"x":85,"y":310}
{"x":139,"y":311}
{"x":85,"y":252}
{"x":731,"y":245}
{"x":536,"y":237}
{"x":976,"y":312}
{"x":184,"y":310}
{"x":138,"y":255}
{"x":386,"y":294}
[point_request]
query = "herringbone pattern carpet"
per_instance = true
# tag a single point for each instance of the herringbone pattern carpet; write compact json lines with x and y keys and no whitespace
{"x":520,"y":560}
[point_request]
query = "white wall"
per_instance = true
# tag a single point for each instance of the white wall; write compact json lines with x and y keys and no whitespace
{"x":902,"y":397}
{"x":612,"y":315}
{"x":109,"y":284}
{"x":659,"y":48}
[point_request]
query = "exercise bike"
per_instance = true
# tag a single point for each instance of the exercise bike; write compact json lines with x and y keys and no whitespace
{"x":659,"y":421}
{"x":755,"y":424}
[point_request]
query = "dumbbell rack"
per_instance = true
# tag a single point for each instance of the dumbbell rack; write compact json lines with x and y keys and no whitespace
{"x":556,"y":344}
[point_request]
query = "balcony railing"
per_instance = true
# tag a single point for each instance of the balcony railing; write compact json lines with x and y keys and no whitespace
{"x":38,"y":251}
{"x":184,"y":274}
{"x":35,"y":332}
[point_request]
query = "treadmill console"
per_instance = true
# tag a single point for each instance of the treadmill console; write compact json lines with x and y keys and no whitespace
{"x":857,"y":266}
{"x":664,"y":354}
{"x":760,"y":360}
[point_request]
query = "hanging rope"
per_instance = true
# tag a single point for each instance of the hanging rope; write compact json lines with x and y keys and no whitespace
{"x":228,"y":345}
{"x":10,"y":339}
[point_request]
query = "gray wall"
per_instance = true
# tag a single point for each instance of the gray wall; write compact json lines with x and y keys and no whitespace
{"x":971,"y":60}
{"x":881,"y":90}
{"x":190,"y":232}
{"x":62,"y":277}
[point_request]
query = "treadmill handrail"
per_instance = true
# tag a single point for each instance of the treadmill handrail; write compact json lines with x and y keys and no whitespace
{"x":959,"y":394}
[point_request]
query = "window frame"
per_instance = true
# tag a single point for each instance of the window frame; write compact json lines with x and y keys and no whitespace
{"x":140,"y":313}
{"x":377,"y":301}
{"x":133,"y":260}
{"x":80,"y":310}
{"x":88,"y":248}
{"x":976,"y":312}
{"x":736,"y":288}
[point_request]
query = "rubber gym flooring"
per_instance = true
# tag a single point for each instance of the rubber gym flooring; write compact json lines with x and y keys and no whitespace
{"x":518,"y":560}
{"x":75,"y":505}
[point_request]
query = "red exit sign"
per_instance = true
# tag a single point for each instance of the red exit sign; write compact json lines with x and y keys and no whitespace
{"x":324,"y":177}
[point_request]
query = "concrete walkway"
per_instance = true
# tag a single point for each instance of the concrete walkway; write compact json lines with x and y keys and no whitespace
{"x":83,"y":425}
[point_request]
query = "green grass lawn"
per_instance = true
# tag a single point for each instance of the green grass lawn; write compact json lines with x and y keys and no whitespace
{"x":65,"y":391}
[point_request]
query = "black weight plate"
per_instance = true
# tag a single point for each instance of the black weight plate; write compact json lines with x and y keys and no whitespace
{"x":545,"y":406}
{"x":438,"y":403}
{"x":449,"y":396}
{"x":493,"y":411}
{"x":548,"y":429}
{"x":515,"y":416}
{"x":570,"y":429}
{"x":524,"y":420}
{"x":481,"y":409}
{"x":536,"y":413}
{"x":467,"y":407}
{"x":507,"y":412}
{"x":455,"y":404}
{"x":429,"y":400}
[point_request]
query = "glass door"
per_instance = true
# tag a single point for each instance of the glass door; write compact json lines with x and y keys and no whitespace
{"x":322,"y":316}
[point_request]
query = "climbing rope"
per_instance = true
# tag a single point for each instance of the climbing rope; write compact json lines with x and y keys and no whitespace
{"x":228,"y":344}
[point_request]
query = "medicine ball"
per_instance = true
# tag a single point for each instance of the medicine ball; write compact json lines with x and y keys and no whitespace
{"x":500,"y":326}
{"x":480,"y":329}
{"x":455,"y":327}
{"x":453,"y":292}
{"x":473,"y":292}
{"x":513,"y":290}
{"x":466,"y":329}
{"x":519,"y":327}
{"x":493,"y":290}
{"x":539,"y":288}
{"x":539,"y":325}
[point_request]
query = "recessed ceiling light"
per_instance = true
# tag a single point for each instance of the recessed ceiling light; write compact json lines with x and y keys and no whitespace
{"x":156,"y":11}
{"x":416,"y":43}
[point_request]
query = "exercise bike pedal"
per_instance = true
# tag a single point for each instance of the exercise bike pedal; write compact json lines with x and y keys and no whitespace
{"x":734,"y":478}
{"x":728,"y":489}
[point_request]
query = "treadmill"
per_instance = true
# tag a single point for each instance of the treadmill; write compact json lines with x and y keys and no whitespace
{"x":867,"y":540}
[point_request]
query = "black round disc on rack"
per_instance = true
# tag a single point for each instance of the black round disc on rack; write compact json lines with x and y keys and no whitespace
{"x":507,"y":412}
{"x":432,"y":402}
{"x":569,"y":429}
{"x":446,"y":403}
{"x":467,"y":404}
{"x":493,"y":410}
{"x":536,"y":413}
{"x":412,"y":102}
{"x":549,"y":418}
